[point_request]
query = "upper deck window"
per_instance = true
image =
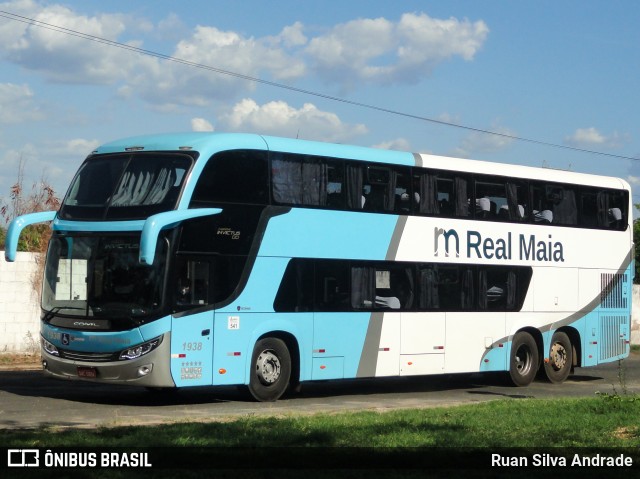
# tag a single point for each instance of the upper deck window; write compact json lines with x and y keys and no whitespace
{"x":126,"y":186}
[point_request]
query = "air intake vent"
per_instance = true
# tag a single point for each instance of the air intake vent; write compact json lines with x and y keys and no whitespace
{"x":613,"y":287}
{"x":88,"y":357}
{"x":612,"y":337}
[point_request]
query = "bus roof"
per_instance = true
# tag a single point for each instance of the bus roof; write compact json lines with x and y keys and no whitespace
{"x":208,"y":143}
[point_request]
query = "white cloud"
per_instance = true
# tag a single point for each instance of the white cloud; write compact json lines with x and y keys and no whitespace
{"x":378,"y":51}
{"x":62,"y":57}
{"x":478,"y":142}
{"x":17,"y":104}
{"x":279,"y":118}
{"x":200,"y":124}
{"x":592,"y":138}
{"x":381,"y":51}
{"x":291,"y":36}
{"x":168,"y":85}
{"x":400,"y":144}
{"x":633,"y":180}
{"x":75,"y":148}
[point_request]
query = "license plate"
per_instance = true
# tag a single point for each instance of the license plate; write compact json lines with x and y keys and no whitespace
{"x":87,"y":372}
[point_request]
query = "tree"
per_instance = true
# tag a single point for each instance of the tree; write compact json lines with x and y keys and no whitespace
{"x":41,"y":198}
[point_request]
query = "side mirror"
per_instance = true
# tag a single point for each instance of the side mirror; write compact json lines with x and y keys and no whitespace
{"x":17,"y":225}
{"x":156,"y":223}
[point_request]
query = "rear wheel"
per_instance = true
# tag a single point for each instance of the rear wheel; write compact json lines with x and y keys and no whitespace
{"x":271,"y":369}
{"x":558,"y":367}
{"x":524,"y":359}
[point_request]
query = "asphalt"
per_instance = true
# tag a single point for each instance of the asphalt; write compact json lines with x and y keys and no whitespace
{"x":29,"y":399}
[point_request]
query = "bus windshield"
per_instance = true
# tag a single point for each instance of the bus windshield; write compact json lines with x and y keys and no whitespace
{"x":101,"y":277}
{"x":131,"y":186}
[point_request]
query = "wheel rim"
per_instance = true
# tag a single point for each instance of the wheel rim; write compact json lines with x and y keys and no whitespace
{"x":558,"y":356}
{"x":268,"y":367}
{"x":523,"y":360}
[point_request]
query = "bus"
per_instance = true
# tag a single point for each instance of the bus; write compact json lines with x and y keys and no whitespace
{"x":206,"y":259}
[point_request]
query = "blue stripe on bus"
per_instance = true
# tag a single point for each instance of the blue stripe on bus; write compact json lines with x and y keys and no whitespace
{"x":346,"y":152}
{"x":302,"y":233}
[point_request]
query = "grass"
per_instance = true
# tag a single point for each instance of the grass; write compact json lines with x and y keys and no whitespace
{"x":606,"y":421}
{"x":18,"y":359}
{"x":398,"y":444}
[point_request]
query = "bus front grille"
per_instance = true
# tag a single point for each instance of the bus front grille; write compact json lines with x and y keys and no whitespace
{"x":88,"y":357}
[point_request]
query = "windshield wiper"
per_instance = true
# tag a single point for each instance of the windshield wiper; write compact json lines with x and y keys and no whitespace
{"x":48,"y":316}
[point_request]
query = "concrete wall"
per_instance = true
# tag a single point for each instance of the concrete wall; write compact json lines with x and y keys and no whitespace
{"x":19,"y":304}
{"x":20,"y":312}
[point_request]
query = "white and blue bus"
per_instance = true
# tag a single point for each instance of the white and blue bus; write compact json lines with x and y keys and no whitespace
{"x":232,"y":259}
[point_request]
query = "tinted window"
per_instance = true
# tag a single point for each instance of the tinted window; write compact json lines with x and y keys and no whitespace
{"x":126,"y":186}
{"x":343,"y":285}
{"x":237,"y":176}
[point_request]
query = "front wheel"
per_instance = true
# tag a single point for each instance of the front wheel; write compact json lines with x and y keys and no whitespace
{"x":558,"y":367}
{"x":524,"y":359}
{"x":270,"y":369}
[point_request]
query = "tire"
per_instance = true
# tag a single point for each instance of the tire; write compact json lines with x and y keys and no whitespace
{"x":558,"y":367}
{"x":270,"y":369}
{"x":524,"y":360}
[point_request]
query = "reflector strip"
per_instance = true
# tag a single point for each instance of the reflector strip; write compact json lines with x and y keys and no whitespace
{"x":319,"y":351}
{"x":178,"y":356}
{"x":237,"y":353}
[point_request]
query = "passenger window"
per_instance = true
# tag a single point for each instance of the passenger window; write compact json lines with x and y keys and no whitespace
{"x":616,"y":211}
{"x":234,"y":177}
{"x":562,"y":201}
{"x":299,"y":180}
{"x":335,"y":184}
{"x":394,"y":287}
{"x":497,"y":289}
{"x":540,"y":207}
{"x":491,"y":201}
{"x":590,"y":216}
{"x":425,"y":197}
{"x":332,"y":286}
{"x":500,"y":201}
{"x":385,"y":287}
{"x":464,"y":192}
{"x":386,"y":190}
{"x":296,"y":289}
{"x":445,"y":196}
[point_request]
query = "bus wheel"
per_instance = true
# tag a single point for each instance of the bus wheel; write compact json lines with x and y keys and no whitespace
{"x":271,"y":369}
{"x":524,"y":359}
{"x":558,"y":367}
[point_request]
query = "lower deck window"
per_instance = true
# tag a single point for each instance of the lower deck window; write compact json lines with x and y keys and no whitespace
{"x":344,"y":285}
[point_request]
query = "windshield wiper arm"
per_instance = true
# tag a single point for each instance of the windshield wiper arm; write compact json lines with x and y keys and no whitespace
{"x":48,"y":316}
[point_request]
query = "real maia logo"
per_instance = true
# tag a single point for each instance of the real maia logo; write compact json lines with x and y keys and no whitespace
{"x":526,"y":247}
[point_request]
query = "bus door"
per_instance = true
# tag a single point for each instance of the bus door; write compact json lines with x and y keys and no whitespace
{"x":192,"y":324}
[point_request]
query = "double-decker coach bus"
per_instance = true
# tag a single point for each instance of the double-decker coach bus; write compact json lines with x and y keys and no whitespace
{"x":233,"y":259}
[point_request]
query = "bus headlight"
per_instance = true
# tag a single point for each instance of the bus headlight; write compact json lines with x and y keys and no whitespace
{"x":50,"y":348}
{"x":141,"y":349}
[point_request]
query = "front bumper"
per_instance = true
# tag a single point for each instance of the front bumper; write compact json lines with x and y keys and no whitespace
{"x":151,"y":370}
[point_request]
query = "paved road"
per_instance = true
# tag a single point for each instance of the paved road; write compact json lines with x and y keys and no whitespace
{"x":29,"y":400}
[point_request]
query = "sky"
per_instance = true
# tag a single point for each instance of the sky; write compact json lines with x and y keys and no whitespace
{"x":551,"y":77}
